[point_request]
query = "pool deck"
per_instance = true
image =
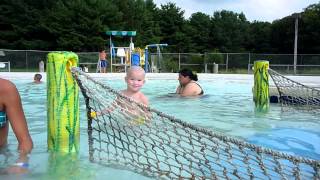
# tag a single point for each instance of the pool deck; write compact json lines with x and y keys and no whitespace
{"x":313,"y":81}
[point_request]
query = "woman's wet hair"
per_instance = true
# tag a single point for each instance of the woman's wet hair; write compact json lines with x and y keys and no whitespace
{"x":188,"y":72}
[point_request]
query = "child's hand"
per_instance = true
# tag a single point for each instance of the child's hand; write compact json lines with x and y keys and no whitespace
{"x":93,"y":114}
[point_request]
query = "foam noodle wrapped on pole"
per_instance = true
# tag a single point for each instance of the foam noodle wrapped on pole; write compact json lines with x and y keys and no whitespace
{"x":261,"y":85}
{"x":62,"y":103}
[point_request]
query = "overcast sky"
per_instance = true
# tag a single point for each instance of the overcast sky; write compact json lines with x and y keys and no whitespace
{"x":260,"y":10}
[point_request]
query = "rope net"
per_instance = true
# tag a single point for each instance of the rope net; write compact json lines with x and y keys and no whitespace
{"x":295,"y":94}
{"x":128,"y":135}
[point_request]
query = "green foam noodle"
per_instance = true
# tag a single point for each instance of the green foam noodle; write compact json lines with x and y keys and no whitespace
{"x":62,"y":103}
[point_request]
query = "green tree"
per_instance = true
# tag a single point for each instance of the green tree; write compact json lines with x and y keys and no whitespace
{"x":229,"y":31}
{"x":199,"y":32}
{"x":309,"y":33}
{"x":282,"y":35}
{"x":172,"y":23}
{"x":137,"y":15}
{"x":259,"y":37}
{"x":79,"y":25}
{"x":150,"y":26}
{"x":19,"y":25}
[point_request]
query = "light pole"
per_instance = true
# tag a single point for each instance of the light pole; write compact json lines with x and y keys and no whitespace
{"x":296,"y":16}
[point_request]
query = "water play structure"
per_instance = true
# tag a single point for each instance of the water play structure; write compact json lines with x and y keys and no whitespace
{"x":293,"y":94}
{"x":165,"y":147}
{"x":159,"y":145}
{"x":153,"y":66}
{"x":122,"y":57}
{"x":122,"y":52}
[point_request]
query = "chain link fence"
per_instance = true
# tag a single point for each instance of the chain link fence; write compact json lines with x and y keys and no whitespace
{"x":307,"y":64}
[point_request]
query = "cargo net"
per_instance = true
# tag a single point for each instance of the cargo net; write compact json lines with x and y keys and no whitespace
{"x":295,"y":94}
{"x":128,"y":135}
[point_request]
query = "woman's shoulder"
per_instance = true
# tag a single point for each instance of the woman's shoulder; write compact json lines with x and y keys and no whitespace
{"x":195,"y":87}
{"x":193,"y":84}
{"x":6,"y":85}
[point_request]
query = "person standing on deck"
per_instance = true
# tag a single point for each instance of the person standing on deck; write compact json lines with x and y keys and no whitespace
{"x":103,"y":61}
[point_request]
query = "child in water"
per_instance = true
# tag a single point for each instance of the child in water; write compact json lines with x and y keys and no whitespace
{"x":135,"y":79}
{"x":37,"y":78}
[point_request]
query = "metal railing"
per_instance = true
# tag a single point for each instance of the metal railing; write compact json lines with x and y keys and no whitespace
{"x":307,"y":64}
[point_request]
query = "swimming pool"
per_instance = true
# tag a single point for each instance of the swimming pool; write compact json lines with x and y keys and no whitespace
{"x":227,"y":107}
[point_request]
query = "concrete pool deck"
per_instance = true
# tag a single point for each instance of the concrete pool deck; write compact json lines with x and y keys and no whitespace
{"x":313,"y":81}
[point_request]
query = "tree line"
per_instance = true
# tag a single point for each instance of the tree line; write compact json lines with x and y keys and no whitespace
{"x":80,"y":25}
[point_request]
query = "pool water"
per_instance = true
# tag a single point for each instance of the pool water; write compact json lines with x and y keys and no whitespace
{"x":227,"y":107}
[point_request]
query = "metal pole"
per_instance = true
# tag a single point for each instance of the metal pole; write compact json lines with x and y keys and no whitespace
{"x":179,"y":62}
{"x":295,"y":43}
{"x":249,"y":63}
{"x":26,"y":61}
{"x":130,"y":53}
{"x":110,"y":53}
{"x":146,"y":59}
{"x":227,"y":61}
{"x":158,"y":56}
{"x":205,"y":67}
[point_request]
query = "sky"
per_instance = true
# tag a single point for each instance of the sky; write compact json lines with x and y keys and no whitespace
{"x":260,"y":10}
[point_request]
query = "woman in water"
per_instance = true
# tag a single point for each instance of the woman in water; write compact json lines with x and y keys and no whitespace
{"x":11,"y":111}
{"x":188,"y":84}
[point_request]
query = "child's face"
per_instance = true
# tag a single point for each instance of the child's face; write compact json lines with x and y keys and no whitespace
{"x":135,"y":80}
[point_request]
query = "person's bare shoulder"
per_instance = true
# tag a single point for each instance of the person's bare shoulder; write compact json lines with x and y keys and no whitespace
{"x":191,"y":84}
{"x":6,"y":86}
{"x":144,"y":99}
{"x":124,"y":92}
{"x":189,"y":87}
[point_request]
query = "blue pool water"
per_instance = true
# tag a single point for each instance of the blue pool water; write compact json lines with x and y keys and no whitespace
{"x":227,"y":107}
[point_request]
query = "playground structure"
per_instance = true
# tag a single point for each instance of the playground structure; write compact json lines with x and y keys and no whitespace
{"x":155,"y":65}
{"x":122,"y":52}
{"x":126,"y":56}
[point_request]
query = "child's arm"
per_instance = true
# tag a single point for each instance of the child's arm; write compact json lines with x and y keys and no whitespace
{"x":107,"y":110}
{"x":144,"y":99}
{"x":146,"y":112}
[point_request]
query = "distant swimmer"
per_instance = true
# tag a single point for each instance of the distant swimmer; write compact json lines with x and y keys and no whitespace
{"x":37,"y":78}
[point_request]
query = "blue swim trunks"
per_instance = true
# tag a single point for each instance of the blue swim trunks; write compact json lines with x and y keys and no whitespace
{"x":3,"y":119}
{"x":103,"y":63}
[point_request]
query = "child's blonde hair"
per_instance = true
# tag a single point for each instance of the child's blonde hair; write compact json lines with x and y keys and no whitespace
{"x":135,"y":68}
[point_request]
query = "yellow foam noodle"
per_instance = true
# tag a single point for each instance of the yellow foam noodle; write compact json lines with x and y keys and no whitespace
{"x":62,"y":103}
{"x":261,"y":85}
{"x":127,"y":57}
{"x":142,"y":58}
{"x":63,"y":166}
